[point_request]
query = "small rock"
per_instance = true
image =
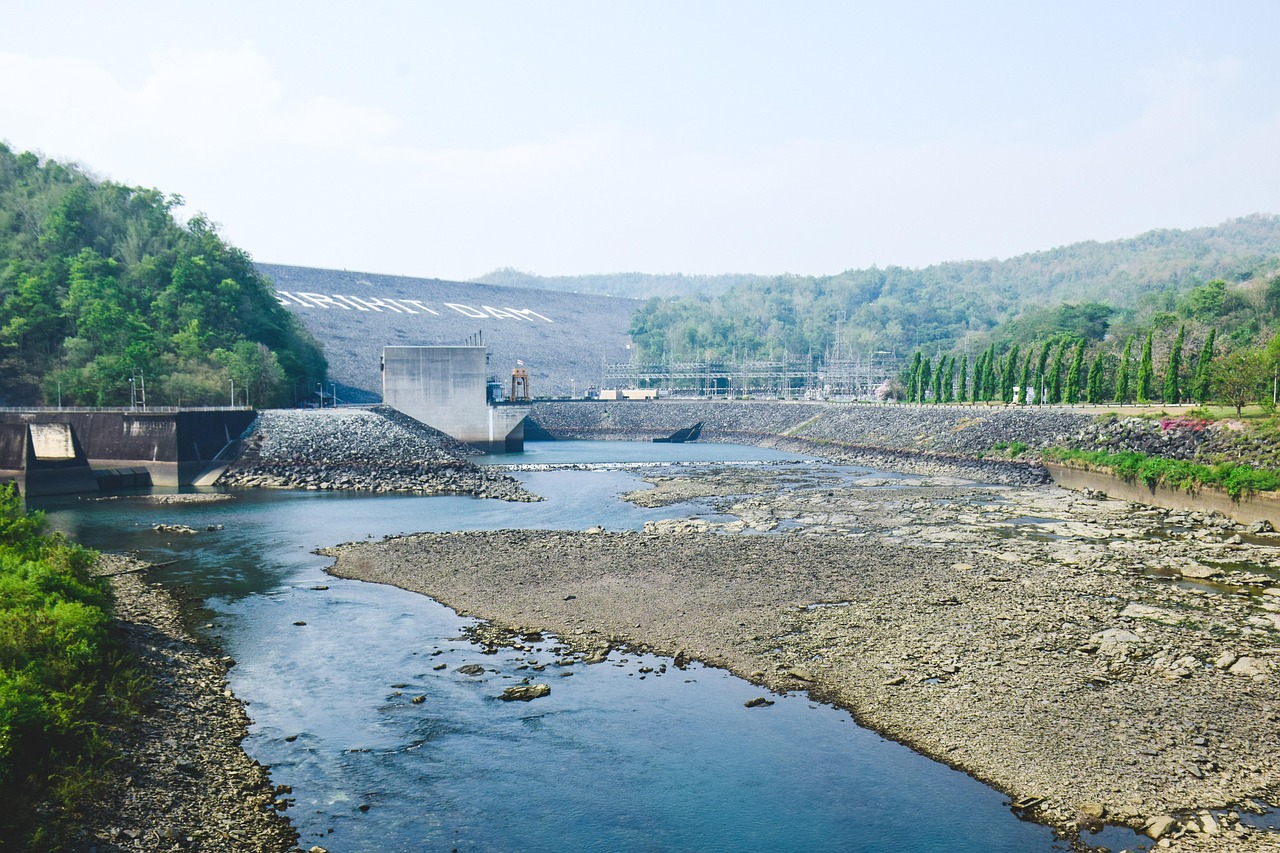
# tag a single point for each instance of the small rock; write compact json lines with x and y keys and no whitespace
{"x":471,"y":669}
{"x":1160,"y":826}
{"x":525,"y":692}
{"x":299,"y":622}
{"x":418,"y":700}
{"x":1248,"y":667}
{"x":758,"y":702}
{"x":1094,"y":810}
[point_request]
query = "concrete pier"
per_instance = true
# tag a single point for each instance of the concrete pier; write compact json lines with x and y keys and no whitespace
{"x":445,"y":387}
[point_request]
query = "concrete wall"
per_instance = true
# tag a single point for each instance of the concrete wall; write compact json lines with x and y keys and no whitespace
{"x":174,"y":447}
{"x":444,"y":387}
{"x":1259,"y":507}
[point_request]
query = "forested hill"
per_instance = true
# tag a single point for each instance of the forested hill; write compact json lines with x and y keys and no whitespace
{"x":900,"y":308}
{"x":102,"y":293}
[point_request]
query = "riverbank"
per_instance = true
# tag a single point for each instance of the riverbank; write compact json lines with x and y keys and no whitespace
{"x":181,"y":781}
{"x":1085,"y":657}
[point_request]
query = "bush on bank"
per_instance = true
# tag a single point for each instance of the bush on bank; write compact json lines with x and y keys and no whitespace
{"x":1236,"y":479}
{"x":60,"y":675}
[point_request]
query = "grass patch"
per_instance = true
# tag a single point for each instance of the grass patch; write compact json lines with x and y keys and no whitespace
{"x":1010,"y":448}
{"x":1236,"y":479}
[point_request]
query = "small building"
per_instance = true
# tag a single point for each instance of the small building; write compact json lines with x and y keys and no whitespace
{"x":448,"y":388}
{"x":628,"y":393}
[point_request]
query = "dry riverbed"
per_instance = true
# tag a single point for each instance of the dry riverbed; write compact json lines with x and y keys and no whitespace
{"x":1090,"y":658}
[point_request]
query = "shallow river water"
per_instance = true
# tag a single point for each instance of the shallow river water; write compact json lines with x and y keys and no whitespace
{"x":615,"y":759}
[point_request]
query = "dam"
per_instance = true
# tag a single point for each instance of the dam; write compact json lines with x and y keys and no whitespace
{"x":61,"y":451}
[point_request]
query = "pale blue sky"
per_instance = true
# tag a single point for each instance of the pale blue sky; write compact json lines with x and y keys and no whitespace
{"x":447,"y":139}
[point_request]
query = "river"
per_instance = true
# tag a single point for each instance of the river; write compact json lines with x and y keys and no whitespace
{"x":628,"y":755}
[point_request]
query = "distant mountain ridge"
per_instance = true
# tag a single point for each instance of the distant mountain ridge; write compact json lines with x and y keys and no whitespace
{"x":1085,"y":270}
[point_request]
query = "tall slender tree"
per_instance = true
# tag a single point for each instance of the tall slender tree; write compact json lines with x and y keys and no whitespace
{"x":991,"y":384}
{"x":1053,"y":384}
{"x":913,"y":379}
{"x":1122,"y":389}
{"x":1146,"y":372}
{"x":949,"y":381}
{"x":938,"y":373}
{"x":964,"y":378}
{"x":1074,"y":374}
{"x":1172,"y":376}
{"x":1024,"y":386}
{"x":1009,"y":375}
{"x":1041,"y":364}
{"x":1094,"y":392}
{"x":1204,"y":370}
{"x":926,"y":376}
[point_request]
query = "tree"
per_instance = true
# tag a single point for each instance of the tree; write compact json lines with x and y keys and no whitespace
{"x":1074,"y":373}
{"x":964,"y":378}
{"x":1122,"y":373}
{"x":1008,"y":375}
{"x":1041,"y":364}
{"x":1146,"y":372}
{"x":1204,"y":370}
{"x":1172,"y":384}
{"x":926,"y":376}
{"x":938,"y":374}
{"x":948,"y":381}
{"x":1024,"y":387}
{"x":1094,"y":392}
{"x":1053,"y":385}
{"x":1240,"y":377}
{"x":913,"y":378}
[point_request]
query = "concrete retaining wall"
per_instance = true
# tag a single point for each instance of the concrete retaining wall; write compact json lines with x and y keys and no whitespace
{"x":175,"y":447}
{"x":1259,"y":507}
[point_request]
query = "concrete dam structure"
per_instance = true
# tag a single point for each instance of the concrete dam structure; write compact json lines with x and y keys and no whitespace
{"x":564,"y":339}
{"x":447,"y":387}
{"x":62,"y":452}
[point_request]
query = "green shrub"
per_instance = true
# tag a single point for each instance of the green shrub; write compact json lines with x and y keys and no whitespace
{"x":60,"y":674}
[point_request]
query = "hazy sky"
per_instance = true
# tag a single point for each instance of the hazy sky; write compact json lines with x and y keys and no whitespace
{"x":448,"y":139}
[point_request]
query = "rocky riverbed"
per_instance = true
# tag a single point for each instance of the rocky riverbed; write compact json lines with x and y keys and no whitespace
{"x":181,"y":781}
{"x":377,"y":450}
{"x":1095,"y":660}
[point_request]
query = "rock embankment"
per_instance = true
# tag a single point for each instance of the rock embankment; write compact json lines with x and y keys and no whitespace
{"x":181,"y":780}
{"x":950,"y":440}
{"x":377,"y":450}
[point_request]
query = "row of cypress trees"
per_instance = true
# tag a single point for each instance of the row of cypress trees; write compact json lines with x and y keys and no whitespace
{"x":1057,"y":373}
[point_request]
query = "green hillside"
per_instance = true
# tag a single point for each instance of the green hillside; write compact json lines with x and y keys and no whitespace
{"x":102,"y":292}
{"x":902,"y":309}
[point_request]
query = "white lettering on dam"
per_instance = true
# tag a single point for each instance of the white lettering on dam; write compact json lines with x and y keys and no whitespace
{"x":399,"y":305}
